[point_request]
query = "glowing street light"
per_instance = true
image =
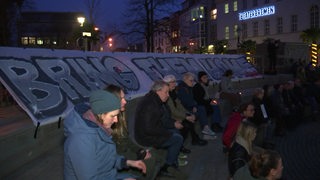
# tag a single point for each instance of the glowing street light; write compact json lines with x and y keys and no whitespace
{"x":110,"y":41}
{"x":81,"y":20}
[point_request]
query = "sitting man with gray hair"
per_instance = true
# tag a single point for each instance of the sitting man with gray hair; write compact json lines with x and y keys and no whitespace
{"x":151,"y":117}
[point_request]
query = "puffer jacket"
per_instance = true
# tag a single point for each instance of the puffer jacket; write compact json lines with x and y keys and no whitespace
{"x":89,"y":152}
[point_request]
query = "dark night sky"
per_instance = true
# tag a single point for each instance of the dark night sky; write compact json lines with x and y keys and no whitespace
{"x":109,"y":10}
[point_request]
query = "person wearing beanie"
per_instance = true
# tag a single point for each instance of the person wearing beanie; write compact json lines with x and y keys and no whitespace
{"x":89,"y":151}
{"x":207,"y":106}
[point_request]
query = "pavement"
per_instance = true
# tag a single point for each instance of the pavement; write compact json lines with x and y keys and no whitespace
{"x":299,"y":148}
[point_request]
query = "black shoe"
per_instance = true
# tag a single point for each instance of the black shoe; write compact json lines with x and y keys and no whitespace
{"x":185,"y":150}
{"x":199,"y":142}
{"x":165,"y":173}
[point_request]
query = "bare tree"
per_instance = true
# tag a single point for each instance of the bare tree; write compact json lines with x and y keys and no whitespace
{"x":93,"y":7}
{"x":142,"y":15}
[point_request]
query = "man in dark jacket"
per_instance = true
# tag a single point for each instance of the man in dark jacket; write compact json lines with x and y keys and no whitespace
{"x":206,"y":104}
{"x":150,"y":123}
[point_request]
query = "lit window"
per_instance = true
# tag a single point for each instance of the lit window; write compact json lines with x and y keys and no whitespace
{"x":226,"y":8}
{"x":226,"y":32}
{"x":32,"y":40}
{"x":175,"y":34}
{"x":235,"y":5}
{"x":24,"y":40}
{"x":235,"y":30}
{"x":214,"y":14}
{"x":39,"y":41}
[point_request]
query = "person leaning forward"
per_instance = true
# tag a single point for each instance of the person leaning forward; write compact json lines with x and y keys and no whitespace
{"x":150,"y":131}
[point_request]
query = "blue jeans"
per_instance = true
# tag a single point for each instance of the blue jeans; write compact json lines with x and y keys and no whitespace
{"x":203,"y":117}
{"x":173,"y":146}
{"x":216,"y":116}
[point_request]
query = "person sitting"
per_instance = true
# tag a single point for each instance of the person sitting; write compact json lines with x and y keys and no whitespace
{"x":266,"y":165}
{"x":246,"y":111}
{"x":261,"y":119}
{"x":179,"y":113}
{"x":185,"y":94}
{"x":208,"y":106}
{"x":125,"y":146}
{"x":89,"y":152}
{"x":149,"y":128}
{"x":241,"y":149}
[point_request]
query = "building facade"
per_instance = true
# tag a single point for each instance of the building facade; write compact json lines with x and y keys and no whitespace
{"x":257,"y":20}
{"x":48,"y":30}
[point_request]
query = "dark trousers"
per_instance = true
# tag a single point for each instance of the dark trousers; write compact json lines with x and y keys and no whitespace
{"x":189,"y":127}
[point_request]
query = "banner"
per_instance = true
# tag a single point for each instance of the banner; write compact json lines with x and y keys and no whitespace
{"x":48,"y":83}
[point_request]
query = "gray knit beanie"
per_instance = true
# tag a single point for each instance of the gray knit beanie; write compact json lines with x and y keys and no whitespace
{"x":102,"y":101}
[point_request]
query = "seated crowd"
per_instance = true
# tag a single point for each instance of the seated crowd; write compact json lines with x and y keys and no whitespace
{"x":97,"y":133}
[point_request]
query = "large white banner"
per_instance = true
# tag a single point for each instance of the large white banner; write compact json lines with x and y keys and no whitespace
{"x":47,"y":83}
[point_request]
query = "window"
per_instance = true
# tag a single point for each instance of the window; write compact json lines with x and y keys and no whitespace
{"x":314,"y":15}
{"x":245,"y":4}
{"x":266,"y":27}
{"x":294,"y":23}
{"x":32,"y":40}
{"x":244,"y":30}
{"x":255,"y":28}
{"x":174,"y":34}
{"x":236,"y":30}
{"x":39,"y":41}
{"x":197,"y":13}
{"x":279,"y":25}
{"x":235,"y":5}
{"x":226,"y":8}
{"x":24,"y":40}
{"x":226,"y":32}
{"x":254,"y":3}
{"x":214,"y":14}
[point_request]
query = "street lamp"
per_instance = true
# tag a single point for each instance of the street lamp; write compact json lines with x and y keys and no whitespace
{"x":81,"y":20}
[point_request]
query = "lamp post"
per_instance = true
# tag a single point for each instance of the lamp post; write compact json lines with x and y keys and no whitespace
{"x":81,"y":20}
{"x":82,"y":41}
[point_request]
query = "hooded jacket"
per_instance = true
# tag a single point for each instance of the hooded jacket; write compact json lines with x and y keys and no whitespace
{"x":89,"y":152}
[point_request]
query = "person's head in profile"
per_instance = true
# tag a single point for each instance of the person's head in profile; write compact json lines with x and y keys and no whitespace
{"x":267,"y":164}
